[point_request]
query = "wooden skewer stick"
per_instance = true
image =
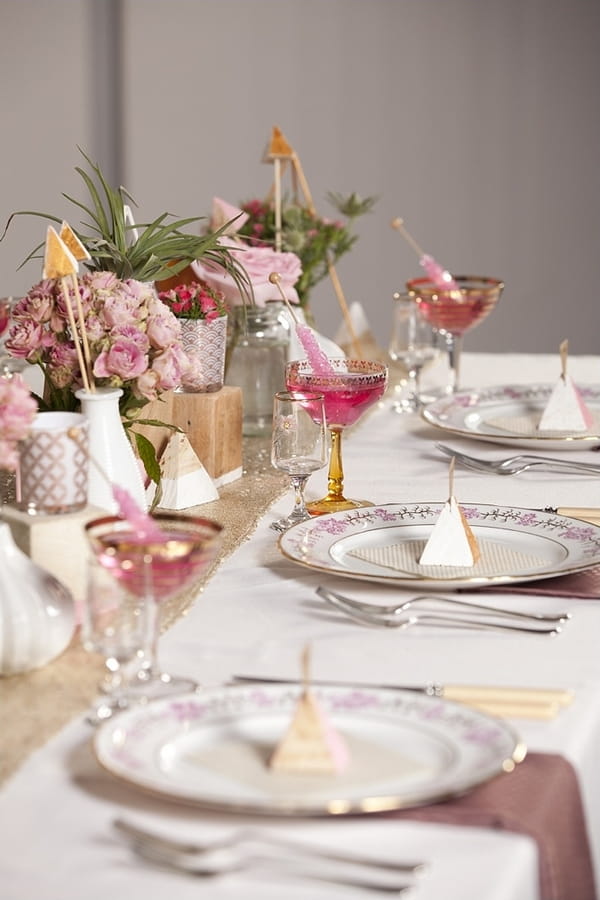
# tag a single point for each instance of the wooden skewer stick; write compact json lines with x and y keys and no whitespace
{"x":303,"y":184}
{"x":337,"y":287}
{"x":451,"y":477}
{"x":563,"y":349}
{"x":277,"y":182}
{"x":72,"y":242}
{"x":275,"y":278}
{"x":398,"y":225}
{"x":64,"y":284}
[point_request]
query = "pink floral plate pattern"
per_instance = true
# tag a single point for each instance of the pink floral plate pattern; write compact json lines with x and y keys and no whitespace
{"x":509,"y":415}
{"x":211,"y":749}
{"x":542,"y":544}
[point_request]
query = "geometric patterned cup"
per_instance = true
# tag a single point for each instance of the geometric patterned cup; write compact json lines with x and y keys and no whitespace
{"x":53,"y":468}
{"x":205,"y":343}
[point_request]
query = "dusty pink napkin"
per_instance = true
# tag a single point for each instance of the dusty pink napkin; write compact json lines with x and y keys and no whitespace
{"x":580,"y":585}
{"x":541,"y":799}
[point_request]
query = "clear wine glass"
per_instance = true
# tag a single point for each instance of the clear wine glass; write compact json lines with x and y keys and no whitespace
{"x":453,"y":312}
{"x":114,"y":623}
{"x":413,"y":344}
{"x":353,"y":386}
{"x":298,"y":445}
{"x":152,"y":571}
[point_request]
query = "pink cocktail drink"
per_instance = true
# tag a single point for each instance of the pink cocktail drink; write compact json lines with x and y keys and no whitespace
{"x":454,"y":311}
{"x":352,"y":387}
{"x":160,"y":565}
{"x":344,"y":405}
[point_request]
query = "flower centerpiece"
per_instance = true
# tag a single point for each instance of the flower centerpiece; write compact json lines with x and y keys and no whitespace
{"x":202,"y":313}
{"x":318,"y":242}
{"x":134,"y":338}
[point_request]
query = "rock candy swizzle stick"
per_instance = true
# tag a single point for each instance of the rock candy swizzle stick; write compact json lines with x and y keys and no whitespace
{"x":314,"y":352}
{"x":439,"y":276}
{"x":143,"y":525}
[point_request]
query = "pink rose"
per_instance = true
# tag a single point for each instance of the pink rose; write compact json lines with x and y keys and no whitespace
{"x":259,"y":263}
{"x":163,"y":329}
{"x":121,"y":308}
{"x":147,"y":385}
{"x":25,"y":340}
{"x":123,"y":358}
{"x":171,"y":366}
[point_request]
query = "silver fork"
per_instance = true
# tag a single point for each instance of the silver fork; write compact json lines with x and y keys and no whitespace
{"x":397,"y":608}
{"x":227,"y":857}
{"x":448,"y":620}
{"x":514,"y":465}
{"x":246,"y":837}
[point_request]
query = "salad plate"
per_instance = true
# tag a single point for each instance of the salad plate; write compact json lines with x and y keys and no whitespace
{"x":509,"y":415}
{"x":383,"y":544}
{"x":211,"y":749}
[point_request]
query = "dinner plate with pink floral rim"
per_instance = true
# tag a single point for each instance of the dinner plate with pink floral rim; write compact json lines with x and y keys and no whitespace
{"x":383,"y":544}
{"x":211,"y":749}
{"x":509,"y":415}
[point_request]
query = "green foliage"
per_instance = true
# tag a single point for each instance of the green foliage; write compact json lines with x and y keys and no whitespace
{"x":318,"y":241}
{"x":161,"y":248}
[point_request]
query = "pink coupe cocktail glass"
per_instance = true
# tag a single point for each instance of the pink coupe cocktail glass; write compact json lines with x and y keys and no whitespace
{"x":353,"y":386}
{"x":154,"y":570}
{"x":453,"y":312}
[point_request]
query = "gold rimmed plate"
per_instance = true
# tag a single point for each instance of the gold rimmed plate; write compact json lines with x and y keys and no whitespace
{"x":509,"y":414}
{"x":383,"y":544}
{"x":211,"y":749}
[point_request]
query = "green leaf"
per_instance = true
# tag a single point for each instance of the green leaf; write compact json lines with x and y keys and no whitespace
{"x":147,"y":454}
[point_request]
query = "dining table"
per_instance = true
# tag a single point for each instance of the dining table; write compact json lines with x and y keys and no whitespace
{"x":250,"y":621}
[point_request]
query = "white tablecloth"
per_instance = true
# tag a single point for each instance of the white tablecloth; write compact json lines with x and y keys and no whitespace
{"x":254,"y":617}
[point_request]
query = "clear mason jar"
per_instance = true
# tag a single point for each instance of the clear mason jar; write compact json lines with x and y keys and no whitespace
{"x":257,"y":357}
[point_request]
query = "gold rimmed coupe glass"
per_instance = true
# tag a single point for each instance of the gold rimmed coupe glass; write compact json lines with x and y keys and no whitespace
{"x":453,"y":312}
{"x":353,"y":386}
{"x":153,"y":571}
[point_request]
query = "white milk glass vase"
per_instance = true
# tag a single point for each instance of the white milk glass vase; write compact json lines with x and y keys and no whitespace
{"x":37,"y":617}
{"x":112,"y":460}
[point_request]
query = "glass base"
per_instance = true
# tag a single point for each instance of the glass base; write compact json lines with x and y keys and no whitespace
{"x":147,"y":685}
{"x":334,"y":504}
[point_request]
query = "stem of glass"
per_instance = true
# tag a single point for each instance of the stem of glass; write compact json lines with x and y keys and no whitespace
{"x":454,"y":344}
{"x":149,"y":668}
{"x":335,"y":475}
{"x":299,"y":512}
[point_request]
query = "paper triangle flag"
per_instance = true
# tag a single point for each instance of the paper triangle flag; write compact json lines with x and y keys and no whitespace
{"x":68,"y":237}
{"x":223,"y":212}
{"x":278,"y":147}
{"x":58,"y":259}
{"x":566,"y":409}
{"x":184,"y":480}
{"x":311,"y":743}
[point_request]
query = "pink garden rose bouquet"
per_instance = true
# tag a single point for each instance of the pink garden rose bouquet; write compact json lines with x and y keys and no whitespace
{"x":17,"y":411}
{"x":134,"y":340}
{"x":258,"y":262}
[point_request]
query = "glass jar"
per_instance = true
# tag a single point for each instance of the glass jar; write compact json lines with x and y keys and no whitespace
{"x":256,"y":361}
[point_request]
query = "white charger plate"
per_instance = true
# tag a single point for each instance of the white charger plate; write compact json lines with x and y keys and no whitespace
{"x":508,"y":415}
{"x":524,"y":545}
{"x":211,"y":749}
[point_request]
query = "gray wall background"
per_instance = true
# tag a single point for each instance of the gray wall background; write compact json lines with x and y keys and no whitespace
{"x":478,"y":122}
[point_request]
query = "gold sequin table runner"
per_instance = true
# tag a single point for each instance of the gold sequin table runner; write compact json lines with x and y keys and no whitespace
{"x":36,"y":705}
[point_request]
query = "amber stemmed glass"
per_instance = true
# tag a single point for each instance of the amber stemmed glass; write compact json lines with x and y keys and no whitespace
{"x":352,"y":387}
{"x":453,"y":312}
{"x":152,"y":571}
